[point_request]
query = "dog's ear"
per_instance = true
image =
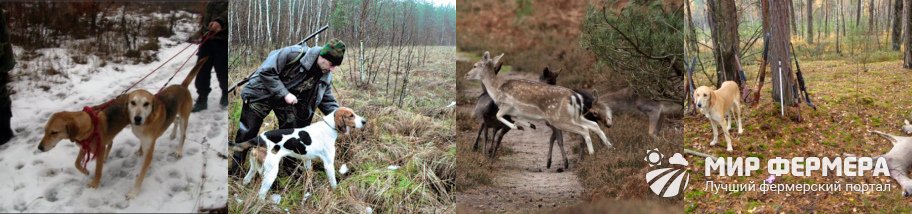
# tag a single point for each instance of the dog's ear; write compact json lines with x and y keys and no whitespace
{"x":712,"y":98}
{"x":340,"y":116}
{"x":71,"y":127}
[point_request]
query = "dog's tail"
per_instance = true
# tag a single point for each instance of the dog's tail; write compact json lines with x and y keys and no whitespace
{"x":246,"y":145}
{"x":892,"y":138}
{"x":196,"y":69}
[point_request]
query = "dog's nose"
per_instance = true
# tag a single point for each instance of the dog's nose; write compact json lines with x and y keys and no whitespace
{"x":364,"y":122}
{"x":41,"y":147}
{"x":699,"y":106}
{"x":137,"y":120}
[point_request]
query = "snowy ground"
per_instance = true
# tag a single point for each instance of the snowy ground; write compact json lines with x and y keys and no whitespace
{"x":48,"y":182}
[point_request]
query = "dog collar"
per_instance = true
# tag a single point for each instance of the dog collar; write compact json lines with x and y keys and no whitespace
{"x":331,"y":126}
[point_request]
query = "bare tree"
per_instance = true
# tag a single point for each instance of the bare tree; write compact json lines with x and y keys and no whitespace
{"x":907,"y":34}
{"x":897,"y":24}
{"x":810,"y":21}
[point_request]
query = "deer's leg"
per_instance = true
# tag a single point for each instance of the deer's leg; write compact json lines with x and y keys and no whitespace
{"x":500,"y":116}
{"x":560,"y":144}
{"x":498,"y":138}
{"x":551,"y":144}
{"x":592,"y":126}
{"x":578,"y":129}
{"x":492,"y":140}
{"x":477,"y":137}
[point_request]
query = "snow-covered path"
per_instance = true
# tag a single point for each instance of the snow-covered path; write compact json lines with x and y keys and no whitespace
{"x":31,"y":181}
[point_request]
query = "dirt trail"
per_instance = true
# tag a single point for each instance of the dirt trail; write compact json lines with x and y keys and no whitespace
{"x":521,"y":181}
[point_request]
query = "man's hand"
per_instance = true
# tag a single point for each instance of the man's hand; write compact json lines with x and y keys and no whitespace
{"x":215,"y":27}
{"x":291,"y":99}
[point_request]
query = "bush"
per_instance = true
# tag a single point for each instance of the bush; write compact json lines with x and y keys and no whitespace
{"x":642,"y":42}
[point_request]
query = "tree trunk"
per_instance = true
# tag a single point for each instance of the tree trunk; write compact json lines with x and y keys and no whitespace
{"x":871,"y":19}
{"x":810,"y":21}
{"x":838,"y":11}
{"x":842,"y":8}
{"x":780,"y":52}
{"x":858,"y":14}
{"x":897,"y":24}
{"x":268,"y":26}
{"x":724,"y":25}
{"x":826,"y":18}
{"x":907,"y":34}
{"x":791,"y":16}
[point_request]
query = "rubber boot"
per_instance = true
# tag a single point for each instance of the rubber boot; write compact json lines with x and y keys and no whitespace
{"x":224,"y":100}
{"x":201,"y":104}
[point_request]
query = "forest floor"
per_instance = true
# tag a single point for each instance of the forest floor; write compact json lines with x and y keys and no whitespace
{"x":852,"y":99}
{"x":517,"y":180}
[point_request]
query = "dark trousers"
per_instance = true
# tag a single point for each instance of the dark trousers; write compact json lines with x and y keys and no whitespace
{"x":219,"y":60}
{"x":252,"y":115}
{"x":5,"y":111}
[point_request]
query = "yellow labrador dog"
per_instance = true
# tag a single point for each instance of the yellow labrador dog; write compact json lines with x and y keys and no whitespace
{"x":717,"y":106}
{"x":151,"y":114}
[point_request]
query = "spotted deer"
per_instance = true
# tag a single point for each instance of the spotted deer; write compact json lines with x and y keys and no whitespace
{"x":526,"y":100}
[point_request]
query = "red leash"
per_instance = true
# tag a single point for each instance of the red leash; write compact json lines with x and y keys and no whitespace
{"x":205,"y":38}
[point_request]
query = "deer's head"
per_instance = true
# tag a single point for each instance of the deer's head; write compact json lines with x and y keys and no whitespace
{"x":486,"y":65}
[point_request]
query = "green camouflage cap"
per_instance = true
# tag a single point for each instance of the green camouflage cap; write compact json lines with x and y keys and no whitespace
{"x":333,"y":51}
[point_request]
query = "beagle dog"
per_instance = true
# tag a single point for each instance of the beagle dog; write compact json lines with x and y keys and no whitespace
{"x":151,"y":114}
{"x":77,"y":126}
{"x":318,"y":140}
{"x":717,"y":106}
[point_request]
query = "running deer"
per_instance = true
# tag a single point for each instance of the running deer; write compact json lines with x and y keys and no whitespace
{"x":486,"y":114}
{"x":526,"y":100}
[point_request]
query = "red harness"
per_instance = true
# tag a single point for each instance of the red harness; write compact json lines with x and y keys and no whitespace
{"x":91,"y":144}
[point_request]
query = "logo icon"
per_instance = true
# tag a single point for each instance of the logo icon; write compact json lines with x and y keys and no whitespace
{"x":669,"y":181}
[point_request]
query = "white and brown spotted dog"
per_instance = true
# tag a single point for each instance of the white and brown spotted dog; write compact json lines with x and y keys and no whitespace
{"x":151,"y":114}
{"x":718,"y":105}
{"x":318,"y":140}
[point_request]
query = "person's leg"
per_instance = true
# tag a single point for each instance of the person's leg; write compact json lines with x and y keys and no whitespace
{"x":221,"y":72}
{"x":289,"y":118}
{"x":6,"y":113}
{"x":202,"y":86}
{"x":252,"y":115}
